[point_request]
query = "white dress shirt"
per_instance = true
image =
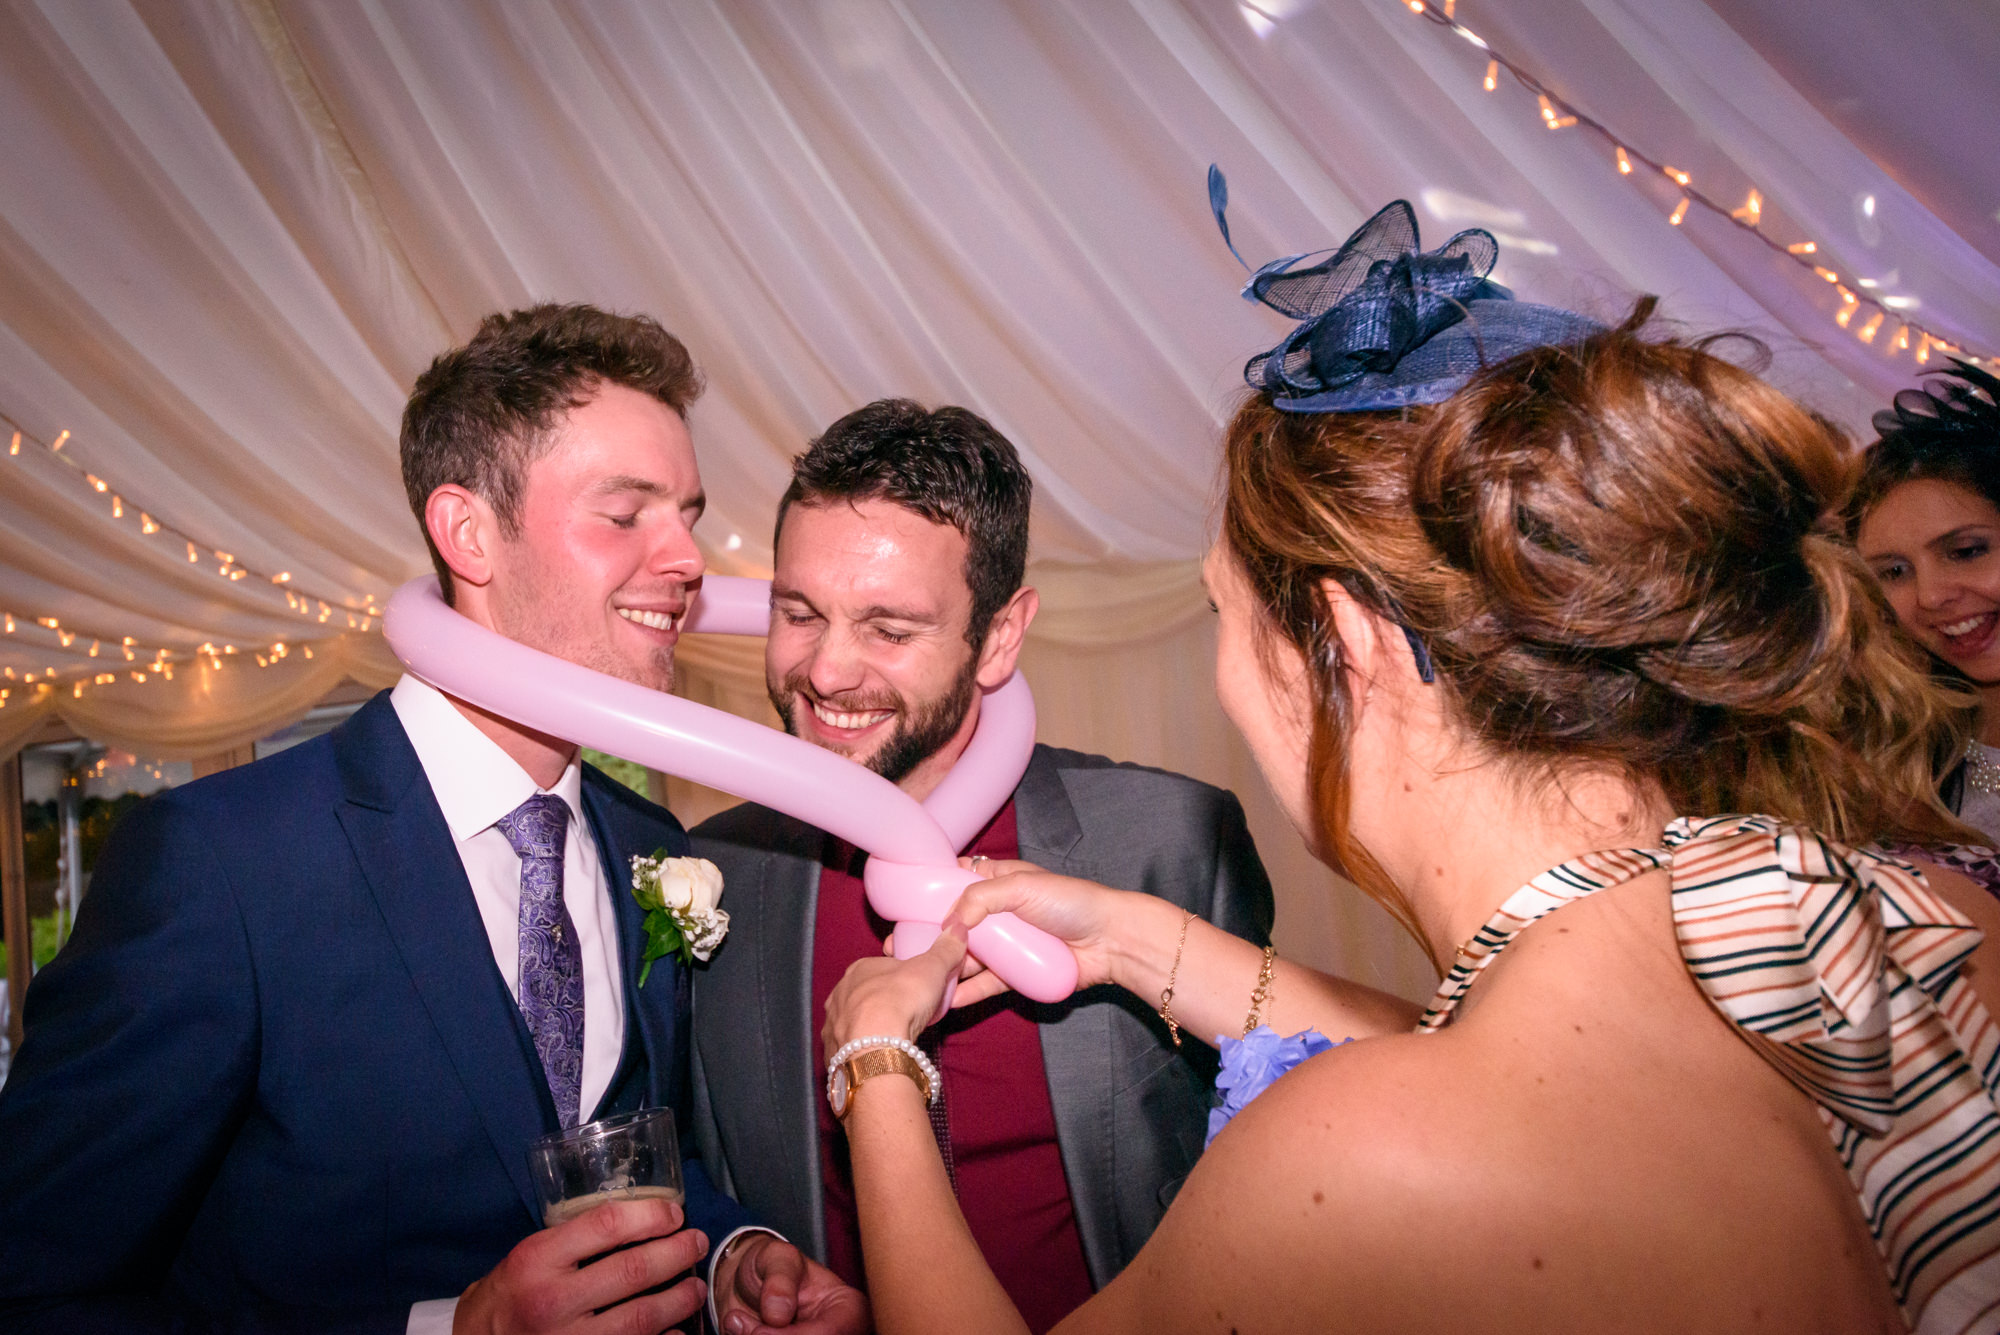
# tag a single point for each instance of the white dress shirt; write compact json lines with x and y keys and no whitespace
{"x":476,"y":784}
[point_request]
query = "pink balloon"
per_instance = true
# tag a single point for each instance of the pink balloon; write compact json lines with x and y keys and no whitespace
{"x":912,"y":877}
{"x":991,"y":766}
{"x":730,"y":605}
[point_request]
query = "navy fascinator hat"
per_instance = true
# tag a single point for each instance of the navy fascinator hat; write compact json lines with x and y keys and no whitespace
{"x":1384,"y":324}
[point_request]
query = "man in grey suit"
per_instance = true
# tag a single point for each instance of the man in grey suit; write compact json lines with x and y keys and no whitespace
{"x":897,"y":601}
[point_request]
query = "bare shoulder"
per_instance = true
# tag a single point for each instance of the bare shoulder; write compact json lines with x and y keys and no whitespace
{"x":1324,"y":1183}
{"x":1589,"y":1148}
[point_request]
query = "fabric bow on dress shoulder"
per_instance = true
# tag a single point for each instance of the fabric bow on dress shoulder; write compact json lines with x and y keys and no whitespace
{"x":1842,"y":969}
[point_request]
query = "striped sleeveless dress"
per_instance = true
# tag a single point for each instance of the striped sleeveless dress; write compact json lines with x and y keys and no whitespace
{"x":1840,"y":968}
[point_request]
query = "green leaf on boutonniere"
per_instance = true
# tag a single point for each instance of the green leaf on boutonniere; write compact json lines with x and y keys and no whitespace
{"x":663,"y":937}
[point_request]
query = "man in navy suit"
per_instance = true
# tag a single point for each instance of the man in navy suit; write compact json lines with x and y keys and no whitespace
{"x":285,"y":1074}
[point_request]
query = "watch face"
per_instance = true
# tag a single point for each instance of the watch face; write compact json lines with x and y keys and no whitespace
{"x":838,"y":1091}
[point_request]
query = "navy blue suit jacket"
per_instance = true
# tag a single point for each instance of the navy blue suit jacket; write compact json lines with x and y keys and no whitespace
{"x":275,"y":1080}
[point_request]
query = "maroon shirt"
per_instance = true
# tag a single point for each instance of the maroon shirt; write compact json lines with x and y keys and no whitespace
{"x":1003,"y":1128}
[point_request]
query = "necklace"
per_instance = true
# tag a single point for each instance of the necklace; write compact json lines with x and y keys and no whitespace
{"x":1982,"y":772}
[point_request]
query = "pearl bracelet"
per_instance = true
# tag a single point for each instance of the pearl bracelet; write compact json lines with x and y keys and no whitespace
{"x":857,"y":1046}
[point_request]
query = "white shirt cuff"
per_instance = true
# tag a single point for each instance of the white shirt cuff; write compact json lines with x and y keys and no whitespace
{"x":715,"y":1255}
{"x":432,"y":1318}
{"x":435,"y":1317}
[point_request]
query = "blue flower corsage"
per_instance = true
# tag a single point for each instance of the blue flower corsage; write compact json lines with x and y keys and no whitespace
{"x":1250,"y":1064}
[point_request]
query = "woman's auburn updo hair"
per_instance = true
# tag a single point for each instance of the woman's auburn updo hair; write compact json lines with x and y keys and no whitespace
{"x":1625,"y":554}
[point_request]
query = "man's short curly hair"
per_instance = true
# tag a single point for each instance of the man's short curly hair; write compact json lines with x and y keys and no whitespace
{"x":482,"y":413}
{"x":948,"y":465}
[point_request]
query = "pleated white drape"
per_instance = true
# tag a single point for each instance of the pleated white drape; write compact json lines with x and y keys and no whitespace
{"x":233,"y":231}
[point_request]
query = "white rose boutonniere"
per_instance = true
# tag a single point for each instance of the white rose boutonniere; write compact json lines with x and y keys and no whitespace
{"x":679,"y":897}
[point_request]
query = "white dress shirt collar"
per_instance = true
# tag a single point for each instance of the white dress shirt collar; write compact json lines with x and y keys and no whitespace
{"x":476,"y":782}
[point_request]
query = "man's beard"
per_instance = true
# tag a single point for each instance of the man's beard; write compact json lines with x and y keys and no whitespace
{"x":921,"y":731}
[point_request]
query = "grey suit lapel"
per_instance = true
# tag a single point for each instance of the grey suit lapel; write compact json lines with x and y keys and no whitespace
{"x":788,"y":905}
{"x":753,"y":1023}
{"x":1043,"y":815}
{"x":1077,"y":1040}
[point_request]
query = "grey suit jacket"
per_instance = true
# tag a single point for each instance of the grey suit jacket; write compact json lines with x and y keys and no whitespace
{"x":1130,"y":1110}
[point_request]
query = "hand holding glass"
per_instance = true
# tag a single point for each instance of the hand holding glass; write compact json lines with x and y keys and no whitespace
{"x":634,"y":1156}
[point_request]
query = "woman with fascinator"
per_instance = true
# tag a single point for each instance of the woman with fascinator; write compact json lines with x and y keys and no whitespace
{"x":1515,"y":610}
{"x":1925,"y":515}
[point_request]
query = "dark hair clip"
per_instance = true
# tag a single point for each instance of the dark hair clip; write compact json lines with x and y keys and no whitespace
{"x":1425,"y":668}
{"x":1371,"y":592}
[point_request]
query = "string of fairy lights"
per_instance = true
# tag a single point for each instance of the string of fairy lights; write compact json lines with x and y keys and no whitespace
{"x":137,"y":662}
{"x":361,"y":612}
{"x":1885,"y":311}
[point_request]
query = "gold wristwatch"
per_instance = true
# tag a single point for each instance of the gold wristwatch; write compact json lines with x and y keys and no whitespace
{"x":847,"y":1076}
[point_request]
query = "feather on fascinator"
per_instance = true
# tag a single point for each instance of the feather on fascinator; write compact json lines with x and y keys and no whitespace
{"x":1947,"y":413}
{"x":1384,"y":324}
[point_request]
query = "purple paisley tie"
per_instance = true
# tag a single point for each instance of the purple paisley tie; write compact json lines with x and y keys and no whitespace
{"x":551,"y":962}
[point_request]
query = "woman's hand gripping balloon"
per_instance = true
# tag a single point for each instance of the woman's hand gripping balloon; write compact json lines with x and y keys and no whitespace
{"x":1088,"y":918}
{"x":901,"y":998}
{"x":892,"y":998}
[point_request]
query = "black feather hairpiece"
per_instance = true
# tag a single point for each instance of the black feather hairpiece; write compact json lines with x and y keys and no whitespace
{"x":1961,"y":405}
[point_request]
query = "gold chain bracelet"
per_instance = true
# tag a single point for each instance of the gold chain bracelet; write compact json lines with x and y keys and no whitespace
{"x":1167,"y":996}
{"x":1261,"y":994}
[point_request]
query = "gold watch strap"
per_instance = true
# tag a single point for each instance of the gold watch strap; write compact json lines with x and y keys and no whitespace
{"x":884,"y":1061}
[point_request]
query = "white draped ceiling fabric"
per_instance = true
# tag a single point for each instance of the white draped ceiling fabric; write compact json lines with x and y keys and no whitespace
{"x":233,"y":231}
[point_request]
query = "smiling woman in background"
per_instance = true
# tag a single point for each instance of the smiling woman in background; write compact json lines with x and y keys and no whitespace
{"x":1926,"y":517}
